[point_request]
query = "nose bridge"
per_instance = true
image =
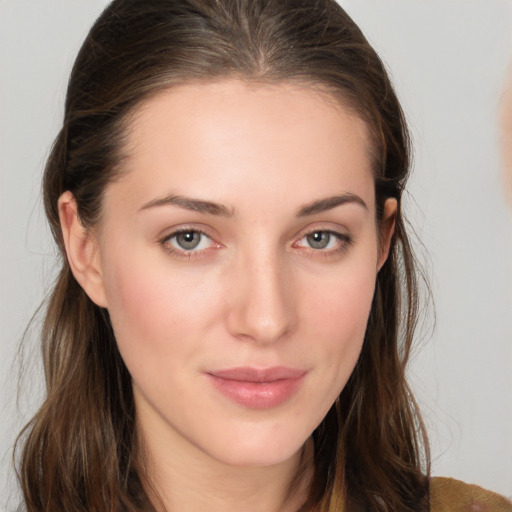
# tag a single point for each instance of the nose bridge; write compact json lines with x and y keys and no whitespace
{"x":263,"y":308}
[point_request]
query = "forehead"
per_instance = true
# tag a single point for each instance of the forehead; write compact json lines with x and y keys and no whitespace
{"x":232,"y":137}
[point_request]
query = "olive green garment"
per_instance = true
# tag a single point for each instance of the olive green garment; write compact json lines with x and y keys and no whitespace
{"x":448,"y":495}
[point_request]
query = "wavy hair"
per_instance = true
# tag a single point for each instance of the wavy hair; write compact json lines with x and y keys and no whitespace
{"x":80,"y":452}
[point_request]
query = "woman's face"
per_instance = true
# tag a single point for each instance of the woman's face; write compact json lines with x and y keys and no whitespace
{"x":237,"y":255}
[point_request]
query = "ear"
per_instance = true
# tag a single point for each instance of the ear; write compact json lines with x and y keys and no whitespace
{"x":387,"y":229}
{"x":81,"y":250}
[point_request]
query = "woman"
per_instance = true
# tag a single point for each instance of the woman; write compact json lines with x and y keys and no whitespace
{"x":237,"y":300}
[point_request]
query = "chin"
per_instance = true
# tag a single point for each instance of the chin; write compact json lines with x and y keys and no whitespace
{"x":259,"y":446}
{"x":258,"y":458}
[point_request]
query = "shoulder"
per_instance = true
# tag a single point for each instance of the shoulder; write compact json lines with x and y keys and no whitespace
{"x":449,"y":495}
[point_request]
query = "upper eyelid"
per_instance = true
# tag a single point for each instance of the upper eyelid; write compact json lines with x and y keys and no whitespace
{"x":323,"y":230}
{"x":341,"y":236}
{"x":178,"y":232}
{"x":170,"y":232}
{"x":186,"y":230}
{"x":338,"y":231}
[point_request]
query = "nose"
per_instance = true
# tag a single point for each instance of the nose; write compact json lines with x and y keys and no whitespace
{"x":262,"y":307}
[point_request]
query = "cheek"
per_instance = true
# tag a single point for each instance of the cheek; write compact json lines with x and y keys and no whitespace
{"x":337,"y":317}
{"x":156,"y":311}
{"x":343,"y":303}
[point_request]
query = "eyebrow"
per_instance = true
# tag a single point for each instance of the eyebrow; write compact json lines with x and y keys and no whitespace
{"x":329,"y":203}
{"x":212,"y":208}
{"x":188,"y":203}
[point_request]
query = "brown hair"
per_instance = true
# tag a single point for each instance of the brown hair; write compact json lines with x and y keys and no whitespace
{"x":80,"y":451}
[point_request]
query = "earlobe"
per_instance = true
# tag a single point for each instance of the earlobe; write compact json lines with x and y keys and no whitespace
{"x":387,"y":229}
{"x":81,"y":250}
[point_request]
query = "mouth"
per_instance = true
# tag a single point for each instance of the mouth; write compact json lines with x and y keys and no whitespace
{"x":258,"y":388}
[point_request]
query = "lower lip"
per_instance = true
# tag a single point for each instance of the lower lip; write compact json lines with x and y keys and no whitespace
{"x":258,"y":395}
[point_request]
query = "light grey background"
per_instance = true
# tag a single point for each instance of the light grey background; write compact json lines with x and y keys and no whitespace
{"x":448,"y":59}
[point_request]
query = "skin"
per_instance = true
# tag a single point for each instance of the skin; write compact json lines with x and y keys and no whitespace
{"x":254,"y":292}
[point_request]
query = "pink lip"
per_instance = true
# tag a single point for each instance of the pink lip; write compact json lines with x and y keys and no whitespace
{"x":258,"y":388}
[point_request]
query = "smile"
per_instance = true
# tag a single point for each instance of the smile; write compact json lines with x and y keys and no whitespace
{"x":258,"y":388}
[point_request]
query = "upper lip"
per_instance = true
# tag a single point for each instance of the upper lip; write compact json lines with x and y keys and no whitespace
{"x":249,"y":374}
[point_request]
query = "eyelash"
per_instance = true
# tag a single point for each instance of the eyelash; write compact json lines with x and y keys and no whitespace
{"x":344,"y":242}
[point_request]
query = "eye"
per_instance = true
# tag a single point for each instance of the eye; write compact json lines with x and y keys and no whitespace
{"x":189,"y":240}
{"x":324,"y":240}
{"x":320,"y":239}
